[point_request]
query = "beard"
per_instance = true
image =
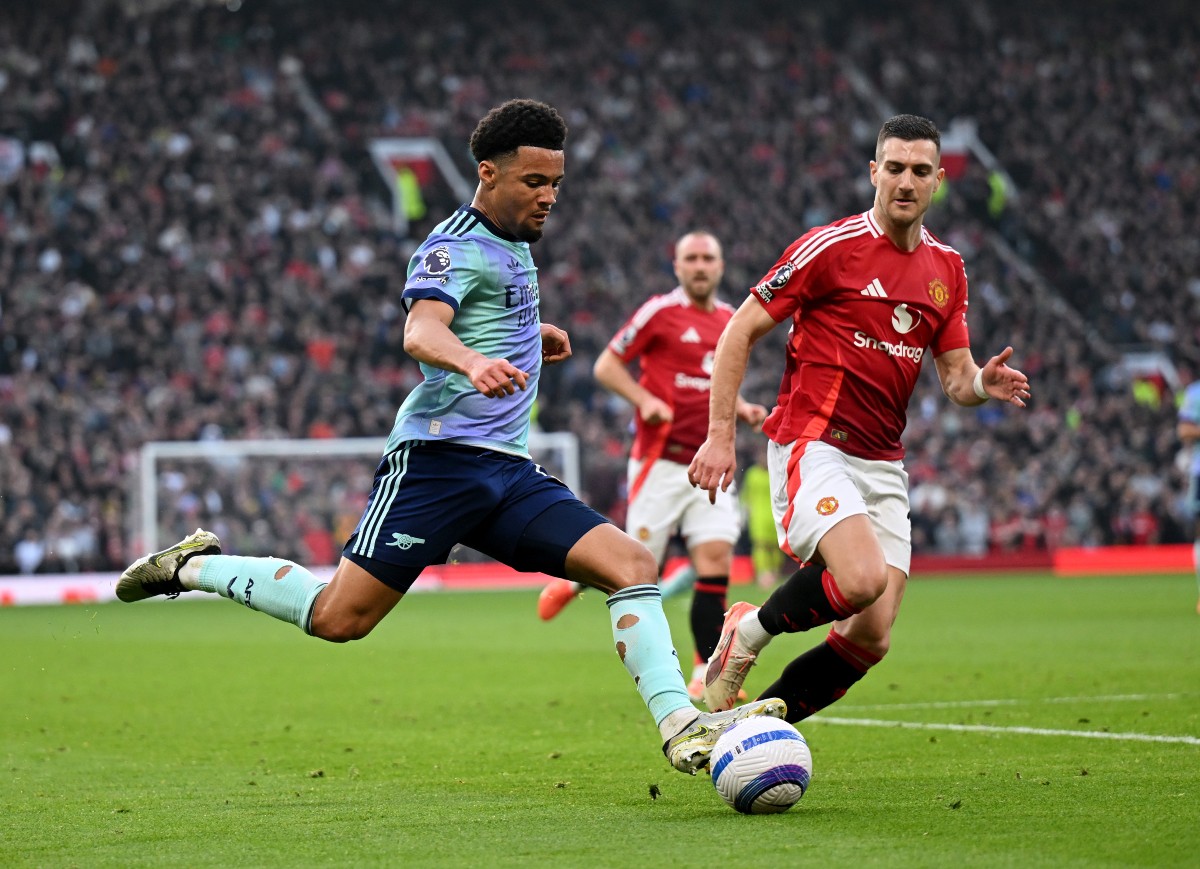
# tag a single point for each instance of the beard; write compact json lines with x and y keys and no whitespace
{"x":529,"y":235}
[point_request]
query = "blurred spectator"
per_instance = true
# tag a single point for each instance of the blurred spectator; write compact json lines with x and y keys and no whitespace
{"x":29,"y":552}
{"x":195,"y":244}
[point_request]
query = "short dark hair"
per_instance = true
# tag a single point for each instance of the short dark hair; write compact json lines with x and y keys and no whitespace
{"x":910,"y":128}
{"x":515,"y":123}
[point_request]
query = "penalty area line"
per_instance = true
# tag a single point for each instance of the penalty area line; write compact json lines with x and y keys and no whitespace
{"x":990,"y":728}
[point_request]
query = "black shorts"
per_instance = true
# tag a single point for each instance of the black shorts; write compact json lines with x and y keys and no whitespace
{"x":430,"y":495}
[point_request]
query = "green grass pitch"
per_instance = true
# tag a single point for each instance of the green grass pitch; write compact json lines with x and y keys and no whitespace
{"x":464,"y":732}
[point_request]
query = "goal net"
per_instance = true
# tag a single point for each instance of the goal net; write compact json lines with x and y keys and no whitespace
{"x":297,"y":499}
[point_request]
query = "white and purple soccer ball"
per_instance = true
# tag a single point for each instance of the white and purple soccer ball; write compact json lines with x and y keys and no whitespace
{"x":761,"y":766}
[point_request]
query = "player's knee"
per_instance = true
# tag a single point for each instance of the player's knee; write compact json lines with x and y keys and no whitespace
{"x":863,"y":585}
{"x":610,"y":560}
{"x":339,"y":627}
{"x":634,"y":565}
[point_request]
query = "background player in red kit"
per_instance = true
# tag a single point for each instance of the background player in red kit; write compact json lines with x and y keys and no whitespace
{"x":672,"y":338}
{"x":866,"y":297}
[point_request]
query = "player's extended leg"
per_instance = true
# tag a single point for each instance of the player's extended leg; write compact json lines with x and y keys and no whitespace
{"x":826,"y":672}
{"x":614,"y":562}
{"x":345,"y":608}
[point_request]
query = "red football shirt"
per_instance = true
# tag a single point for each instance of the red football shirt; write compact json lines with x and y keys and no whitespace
{"x":674,"y":342}
{"x":863,"y":314}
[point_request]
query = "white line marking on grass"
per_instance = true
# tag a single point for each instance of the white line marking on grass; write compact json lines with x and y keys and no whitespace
{"x":1030,"y":731}
{"x":966,"y":704}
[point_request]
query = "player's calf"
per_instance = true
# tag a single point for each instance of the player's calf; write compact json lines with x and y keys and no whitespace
{"x":822,"y":675}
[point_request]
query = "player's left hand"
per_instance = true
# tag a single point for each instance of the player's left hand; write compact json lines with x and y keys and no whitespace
{"x":1004,"y":383}
{"x":751,"y":414}
{"x":556,"y":346}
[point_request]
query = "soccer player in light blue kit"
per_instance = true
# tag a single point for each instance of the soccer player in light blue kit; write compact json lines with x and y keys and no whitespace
{"x":456,"y":468}
{"x":1189,"y":432}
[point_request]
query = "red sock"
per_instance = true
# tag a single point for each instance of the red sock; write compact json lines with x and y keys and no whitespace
{"x":708,"y":612}
{"x":810,"y":597}
{"x":821,"y":676}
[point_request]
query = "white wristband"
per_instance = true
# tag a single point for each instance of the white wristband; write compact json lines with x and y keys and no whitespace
{"x":978,"y":385}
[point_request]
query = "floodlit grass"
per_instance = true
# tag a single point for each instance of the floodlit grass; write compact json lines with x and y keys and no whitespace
{"x":464,"y":732}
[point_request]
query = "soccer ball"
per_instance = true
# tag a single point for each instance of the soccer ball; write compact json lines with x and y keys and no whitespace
{"x":761,"y":766}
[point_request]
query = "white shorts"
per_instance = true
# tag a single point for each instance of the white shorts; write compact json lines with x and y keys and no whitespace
{"x":814,"y":486}
{"x":667,"y":503}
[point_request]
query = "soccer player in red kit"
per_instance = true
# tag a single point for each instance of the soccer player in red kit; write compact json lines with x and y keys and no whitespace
{"x":672,"y":339}
{"x":867,"y":297}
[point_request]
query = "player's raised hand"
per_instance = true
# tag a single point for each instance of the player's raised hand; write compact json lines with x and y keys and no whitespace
{"x":496,"y":377}
{"x":556,"y":345}
{"x":1003,"y":383}
{"x":713,"y":466}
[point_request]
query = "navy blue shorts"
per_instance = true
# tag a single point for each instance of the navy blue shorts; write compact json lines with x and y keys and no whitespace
{"x":430,"y":495}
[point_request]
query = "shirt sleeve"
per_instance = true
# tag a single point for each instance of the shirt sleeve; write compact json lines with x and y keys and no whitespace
{"x":631,"y":340}
{"x":785,"y":287}
{"x":953,"y":333}
{"x":443,"y":269}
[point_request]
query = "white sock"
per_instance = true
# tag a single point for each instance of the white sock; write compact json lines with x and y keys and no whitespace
{"x":676,"y":721}
{"x":189,"y":574}
{"x":751,"y":632}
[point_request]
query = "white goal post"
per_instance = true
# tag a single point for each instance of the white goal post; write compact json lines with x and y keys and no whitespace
{"x":278,"y":491}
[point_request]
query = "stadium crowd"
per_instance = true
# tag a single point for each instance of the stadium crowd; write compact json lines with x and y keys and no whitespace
{"x":196,"y":245}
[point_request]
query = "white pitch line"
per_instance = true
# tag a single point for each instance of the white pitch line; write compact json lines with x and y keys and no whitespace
{"x":967,"y":704}
{"x":987,"y":728}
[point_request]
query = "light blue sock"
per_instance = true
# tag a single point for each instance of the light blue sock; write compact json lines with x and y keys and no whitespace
{"x":678,"y":582}
{"x":643,"y":640}
{"x":263,"y":584}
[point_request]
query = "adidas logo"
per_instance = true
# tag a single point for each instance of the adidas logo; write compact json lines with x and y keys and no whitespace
{"x":691,"y":336}
{"x":874,"y":290}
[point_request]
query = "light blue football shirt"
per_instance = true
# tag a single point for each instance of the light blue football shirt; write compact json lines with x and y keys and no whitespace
{"x":489,"y":278}
{"x":1189,"y":411}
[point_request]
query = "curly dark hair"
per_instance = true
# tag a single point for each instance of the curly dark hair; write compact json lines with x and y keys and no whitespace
{"x":909,"y":128}
{"x":515,"y":123}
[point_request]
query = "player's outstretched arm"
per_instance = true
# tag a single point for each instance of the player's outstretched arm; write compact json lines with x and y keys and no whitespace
{"x":428,"y":339}
{"x":967,"y":384}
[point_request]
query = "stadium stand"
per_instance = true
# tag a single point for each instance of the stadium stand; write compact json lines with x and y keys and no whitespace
{"x":195,"y":244}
